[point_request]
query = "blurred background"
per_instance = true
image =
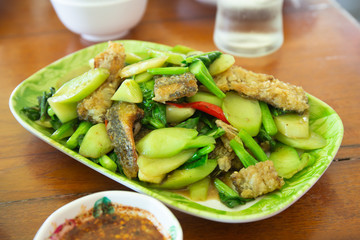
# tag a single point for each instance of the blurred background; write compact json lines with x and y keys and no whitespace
{"x":352,"y":6}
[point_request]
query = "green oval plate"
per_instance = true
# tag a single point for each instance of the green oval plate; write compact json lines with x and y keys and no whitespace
{"x":323,"y":120}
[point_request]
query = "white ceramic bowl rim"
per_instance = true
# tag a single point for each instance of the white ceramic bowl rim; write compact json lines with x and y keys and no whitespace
{"x":90,"y":3}
{"x":163,"y":215}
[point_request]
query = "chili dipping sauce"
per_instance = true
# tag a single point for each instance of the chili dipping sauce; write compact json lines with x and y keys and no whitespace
{"x":123,"y":222}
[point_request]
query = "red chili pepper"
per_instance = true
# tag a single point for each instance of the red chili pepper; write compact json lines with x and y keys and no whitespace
{"x":206,"y":107}
{"x":67,"y":221}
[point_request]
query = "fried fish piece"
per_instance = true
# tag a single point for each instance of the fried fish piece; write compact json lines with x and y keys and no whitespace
{"x":263,"y":87}
{"x":223,"y":152}
{"x":230,"y":133}
{"x":170,"y":88}
{"x":257,"y":180}
{"x":223,"y":156}
{"x":93,"y":108}
{"x":121,"y":119}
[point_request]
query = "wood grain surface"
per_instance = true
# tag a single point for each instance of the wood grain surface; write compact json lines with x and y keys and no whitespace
{"x":321,"y":53}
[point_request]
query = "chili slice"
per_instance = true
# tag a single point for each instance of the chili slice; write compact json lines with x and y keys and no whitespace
{"x":206,"y":107}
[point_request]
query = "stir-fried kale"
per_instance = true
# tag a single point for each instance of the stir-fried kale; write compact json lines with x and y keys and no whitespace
{"x":195,"y":163}
{"x":39,"y":112}
{"x":228,"y":196}
{"x":277,"y":111}
{"x":263,"y":136}
{"x":115,"y":158}
{"x":33,"y":113}
{"x":204,"y":124}
{"x":206,"y":58}
{"x":199,"y":158}
{"x":208,"y":126}
{"x":65,"y":130}
{"x":191,"y":123}
{"x":155,"y":112}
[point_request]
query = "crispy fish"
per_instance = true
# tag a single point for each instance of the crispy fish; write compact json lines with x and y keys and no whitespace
{"x":230,"y":133}
{"x":223,"y":156}
{"x":93,"y":108}
{"x":121,"y":119}
{"x":263,"y":87}
{"x":170,"y":88}
{"x":257,"y":180}
{"x":223,"y":152}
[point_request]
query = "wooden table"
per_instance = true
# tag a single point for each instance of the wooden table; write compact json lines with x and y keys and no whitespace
{"x":321,"y":52}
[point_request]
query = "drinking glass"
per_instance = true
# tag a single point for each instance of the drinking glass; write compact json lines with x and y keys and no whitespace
{"x":249,"y":28}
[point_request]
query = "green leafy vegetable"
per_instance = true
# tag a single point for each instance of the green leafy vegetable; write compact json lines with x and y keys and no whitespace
{"x":267,"y":119}
{"x":252,"y":145}
{"x":55,"y":122}
{"x":245,"y":157}
{"x":168,"y":70}
{"x":108,"y":163}
{"x":202,"y":75}
{"x":81,"y":130}
{"x":103,"y":206}
{"x":181,"y":49}
{"x":263,"y":136}
{"x":33,"y":113}
{"x":199,"y":158}
{"x":215,"y":132}
{"x":206,"y":58}
{"x":191,"y":123}
{"x":277,"y":111}
{"x":227,"y":195}
{"x":155,"y":113}
{"x":43,"y":103}
{"x":115,"y":158}
{"x":40,"y":111}
{"x":196,"y":163}
{"x":65,"y":130}
{"x":201,"y":152}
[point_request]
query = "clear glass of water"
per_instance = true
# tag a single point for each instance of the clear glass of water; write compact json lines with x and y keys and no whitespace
{"x":249,"y":28}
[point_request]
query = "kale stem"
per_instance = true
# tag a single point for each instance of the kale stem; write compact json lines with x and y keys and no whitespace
{"x":245,"y":158}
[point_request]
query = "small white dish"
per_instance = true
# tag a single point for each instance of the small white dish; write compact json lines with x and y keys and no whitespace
{"x":169,"y":225}
{"x":100,"y":20}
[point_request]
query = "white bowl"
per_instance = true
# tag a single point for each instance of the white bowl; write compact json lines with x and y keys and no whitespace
{"x":168,"y":222}
{"x":100,"y":20}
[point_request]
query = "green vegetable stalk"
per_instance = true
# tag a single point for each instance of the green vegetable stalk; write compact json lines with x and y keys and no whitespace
{"x":190,"y":123}
{"x":81,"y":130}
{"x":263,"y":136}
{"x":216,"y":132}
{"x":181,"y":49}
{"x":196,"y":163}
{"x":39,"y":112}
{"x":65,"y":130}
{"x":228,"y":196}
{"x":107,"y":163}
{"x":246,"y":159}
{"x":252,"y":145}
{"x":168,"y":70}
{"x":202,"y":74}
{"x":44,"y":104}
{"x":277,"y":111}
{"x":32,"y":113}
{"x":155,"y":113}
{"x":201,"y":152}
{"x":206,"y":58}
{"x":267,"y":119}
{"x":199,"y":158}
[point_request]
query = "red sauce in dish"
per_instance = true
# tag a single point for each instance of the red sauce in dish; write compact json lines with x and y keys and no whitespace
{"x":126,"y":223}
